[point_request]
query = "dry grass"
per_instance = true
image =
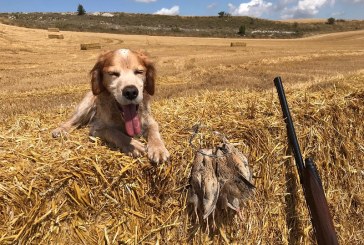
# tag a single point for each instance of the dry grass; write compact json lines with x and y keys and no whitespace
{"x":305,"y":20}
{"x":79,"y":191}
{"x":53,"y":29}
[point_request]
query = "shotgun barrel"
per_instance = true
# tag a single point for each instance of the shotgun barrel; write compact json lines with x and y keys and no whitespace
{"x":309,"y":179}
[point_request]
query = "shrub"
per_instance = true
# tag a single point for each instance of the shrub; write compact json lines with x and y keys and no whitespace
{"x":252,"y":21}
{"x":330,"y":21}
{"x":176,"y":29}
{"x":241,"y":31}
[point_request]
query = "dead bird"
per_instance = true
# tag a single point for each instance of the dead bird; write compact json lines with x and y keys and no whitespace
{"x":230,"y":197}
{"x":238,"y":160}
{"x":220,"y":180}
{"x":234,"y":177}
{"x":235,"y":166}
{"x":204,"y":185}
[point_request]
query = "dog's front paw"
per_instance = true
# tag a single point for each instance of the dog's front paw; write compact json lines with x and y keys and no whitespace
{"x":158,"y":153}
{"x":58,"y":132}
{"x":134,"y":149}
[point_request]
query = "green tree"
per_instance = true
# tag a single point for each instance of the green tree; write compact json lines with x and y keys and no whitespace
{"x":221,"y":14}
{"x":81,"y":10}
{"x":331,"y":21}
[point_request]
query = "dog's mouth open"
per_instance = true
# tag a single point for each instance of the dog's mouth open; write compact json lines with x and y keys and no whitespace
{"x":131,"y":119}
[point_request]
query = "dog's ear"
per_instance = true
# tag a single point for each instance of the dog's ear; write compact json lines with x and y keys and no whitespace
{"x":150,"y":73}
{"x":150,"y":79}
{"x":97,"y":85}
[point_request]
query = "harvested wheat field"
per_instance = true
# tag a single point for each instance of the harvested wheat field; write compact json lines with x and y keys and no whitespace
{"x":77,"y":190}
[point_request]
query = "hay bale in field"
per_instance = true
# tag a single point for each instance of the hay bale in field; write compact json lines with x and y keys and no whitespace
{"x":55,"y":36}
{"x":81,"y":191}
{"x":87,"y":46}
{"x":53,"y":29}
{"x":237,"y":44}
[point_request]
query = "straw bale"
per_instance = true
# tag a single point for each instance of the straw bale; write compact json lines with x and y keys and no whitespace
{"x":237,"y":44}
{"x":55,"y":36}
{"x":78,"y":190}
{"x":53,"y":29}
{"x":87,"y":46}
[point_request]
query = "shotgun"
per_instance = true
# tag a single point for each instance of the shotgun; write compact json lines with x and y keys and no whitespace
{"x":309,"y":179}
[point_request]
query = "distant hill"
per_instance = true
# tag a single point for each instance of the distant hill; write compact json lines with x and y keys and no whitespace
{"x":147,"y":24}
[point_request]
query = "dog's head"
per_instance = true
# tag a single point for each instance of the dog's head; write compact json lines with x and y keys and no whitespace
{"x":126,"y":75}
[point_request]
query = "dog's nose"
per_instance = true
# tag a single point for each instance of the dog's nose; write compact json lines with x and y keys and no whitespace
{"x":130,"y":92}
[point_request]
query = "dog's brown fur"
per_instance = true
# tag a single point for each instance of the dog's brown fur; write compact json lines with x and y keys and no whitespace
{"x":100,"y":108}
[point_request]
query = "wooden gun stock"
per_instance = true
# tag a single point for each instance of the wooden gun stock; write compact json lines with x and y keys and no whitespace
{"x":316,"y":201}
{"x":310,"y":180}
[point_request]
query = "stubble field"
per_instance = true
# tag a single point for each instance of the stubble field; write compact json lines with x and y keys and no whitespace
{"x":76,"y":190}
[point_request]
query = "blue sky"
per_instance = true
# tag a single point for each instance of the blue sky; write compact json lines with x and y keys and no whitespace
{"x":268,"y":9}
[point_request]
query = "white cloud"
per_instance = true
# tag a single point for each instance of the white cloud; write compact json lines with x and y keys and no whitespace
{"x":253,"y":8}
{"x":212,"y":5}
{"x":310,"y":7}
{"x":355,"y":1}
{"x":338,"y":14}
{"x":172,"y":11}
{"x":145,"y":1}
{"x":283,"y":4}
{"x":305,"y":9}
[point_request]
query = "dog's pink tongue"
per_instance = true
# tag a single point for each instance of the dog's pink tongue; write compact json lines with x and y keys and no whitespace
{"x":132,"y":122}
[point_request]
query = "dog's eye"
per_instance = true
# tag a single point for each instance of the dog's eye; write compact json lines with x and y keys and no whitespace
{"x":138,"y":71}
{"x":114,"y":73}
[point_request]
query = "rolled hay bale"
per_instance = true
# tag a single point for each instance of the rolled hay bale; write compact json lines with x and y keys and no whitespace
{"x":87,"y":46}
{"x":53,"y":29}
{"x":237,"y":44}
{"x":55,"y":36}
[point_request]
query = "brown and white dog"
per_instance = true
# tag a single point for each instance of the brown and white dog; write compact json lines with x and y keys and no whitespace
{"x":118,"y":107}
